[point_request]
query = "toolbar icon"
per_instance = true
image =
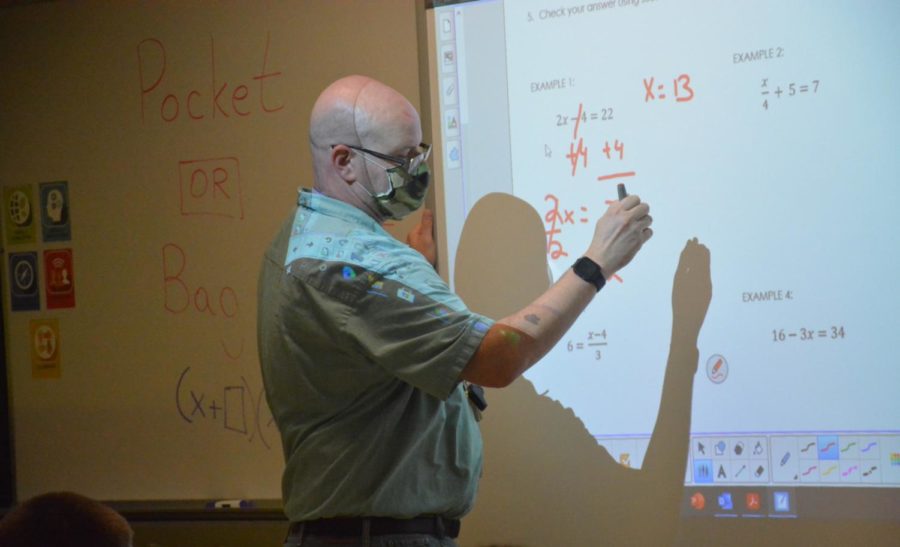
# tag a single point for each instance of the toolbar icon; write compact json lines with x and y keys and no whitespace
{"x":698,"y":501}
{"x":450,"y":91}
{"x":725,"y":501}
{"x":448,"y":58}
{"x":703,"y":471}
{"x":454,"y":161}
{"x":446,"y":25}
{"x":753,"y":501}
{"x":782,"y":502}
{"x":717,"y":369}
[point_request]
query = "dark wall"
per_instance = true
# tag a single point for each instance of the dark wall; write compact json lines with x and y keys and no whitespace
{"x":7,"y":492}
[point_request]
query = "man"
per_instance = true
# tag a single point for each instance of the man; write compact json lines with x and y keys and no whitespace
{"x":64,"y":519}
{"x":366,"y":354}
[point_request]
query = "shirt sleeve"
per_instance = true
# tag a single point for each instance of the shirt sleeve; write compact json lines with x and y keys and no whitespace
{"x":417,"y":330}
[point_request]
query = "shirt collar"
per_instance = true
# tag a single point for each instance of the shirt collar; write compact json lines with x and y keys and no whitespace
{"x":319,"y":202}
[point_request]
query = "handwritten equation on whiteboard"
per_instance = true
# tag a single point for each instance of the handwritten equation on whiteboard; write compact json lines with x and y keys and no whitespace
{"x":233,"y":406}
{"x":600,"y":154}
{"x":201,"y":85}
{"x":579,"y":152}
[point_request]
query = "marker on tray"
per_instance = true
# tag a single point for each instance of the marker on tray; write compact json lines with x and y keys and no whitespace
{"x":622,"y":193}
{"x":229,"y":504}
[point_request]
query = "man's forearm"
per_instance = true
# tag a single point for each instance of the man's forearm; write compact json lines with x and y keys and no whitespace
{"x":518,"y":341}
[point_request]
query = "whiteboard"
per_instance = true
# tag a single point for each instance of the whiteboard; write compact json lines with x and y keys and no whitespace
{"x":180,"y":132}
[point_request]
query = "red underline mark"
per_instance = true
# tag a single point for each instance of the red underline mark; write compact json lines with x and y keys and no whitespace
{"x":617,"y":175}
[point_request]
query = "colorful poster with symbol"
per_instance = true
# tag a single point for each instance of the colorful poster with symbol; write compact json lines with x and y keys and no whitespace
{"x":19,"y":214}
{"x":55,"y":211}
{"x":59,"y":279}
{"x":24,"y":287}
{"x":45,"y":360}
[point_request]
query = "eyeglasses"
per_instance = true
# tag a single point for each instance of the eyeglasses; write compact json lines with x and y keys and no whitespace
{"x":410,"y":164}
{"x":408,"y":180}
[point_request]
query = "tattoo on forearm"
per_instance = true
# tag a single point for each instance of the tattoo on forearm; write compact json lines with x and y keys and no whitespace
{"x":533,"y":319}
{"x":511,"y":337}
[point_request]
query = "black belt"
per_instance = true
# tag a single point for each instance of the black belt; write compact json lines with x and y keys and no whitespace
{"x":378,"y":526}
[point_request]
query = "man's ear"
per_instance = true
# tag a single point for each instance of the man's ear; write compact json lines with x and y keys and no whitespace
{"x":341,"y":157}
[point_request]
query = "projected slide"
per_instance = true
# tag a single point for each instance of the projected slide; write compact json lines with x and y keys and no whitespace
{"x":768,"y":130}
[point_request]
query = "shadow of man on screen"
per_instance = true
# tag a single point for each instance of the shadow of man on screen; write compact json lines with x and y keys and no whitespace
{"x":546,"y":480}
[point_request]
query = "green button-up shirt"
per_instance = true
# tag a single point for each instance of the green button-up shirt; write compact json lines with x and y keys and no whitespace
{"x":361,"y":346}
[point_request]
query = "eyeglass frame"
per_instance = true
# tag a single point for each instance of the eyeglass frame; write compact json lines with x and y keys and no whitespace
{"x":402,"y":162}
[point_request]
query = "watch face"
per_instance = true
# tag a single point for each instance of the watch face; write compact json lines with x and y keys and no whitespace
{"x":590,"y":267}
{"x":588,"y":270}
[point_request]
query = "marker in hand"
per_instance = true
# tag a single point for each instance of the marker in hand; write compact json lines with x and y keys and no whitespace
{"x":622,"y":193}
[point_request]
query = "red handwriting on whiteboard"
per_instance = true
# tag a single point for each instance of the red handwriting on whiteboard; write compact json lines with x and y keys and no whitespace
{"x":211,"y":187}
{"x":619,"y":150}
{"x":579,"y":152}
{"x":211,"y":98}
{"x":613,"y":153}
{"x":574,"y":154}
{"x":180,"y":297}
{"x":681,"y":88}
{"x":556,"y":218}
{"x":582,"y":151}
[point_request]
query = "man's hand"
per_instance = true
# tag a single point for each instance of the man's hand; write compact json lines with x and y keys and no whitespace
{"x":619,"y":234}
{"x":421,"y":238}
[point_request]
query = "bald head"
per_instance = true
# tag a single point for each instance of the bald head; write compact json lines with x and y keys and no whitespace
{"x":358,"y":111}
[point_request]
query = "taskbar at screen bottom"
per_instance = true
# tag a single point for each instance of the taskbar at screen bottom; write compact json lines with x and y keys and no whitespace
{"x":775,"y":502}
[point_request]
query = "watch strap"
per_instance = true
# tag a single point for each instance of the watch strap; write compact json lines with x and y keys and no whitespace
{"x":590,"y":271}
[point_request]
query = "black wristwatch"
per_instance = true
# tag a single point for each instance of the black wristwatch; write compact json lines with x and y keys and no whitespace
{"x":587,"y":269}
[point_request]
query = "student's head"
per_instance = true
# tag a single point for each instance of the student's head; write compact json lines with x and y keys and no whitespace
{"x":64,"y":519}
{"x":354,"y":122}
